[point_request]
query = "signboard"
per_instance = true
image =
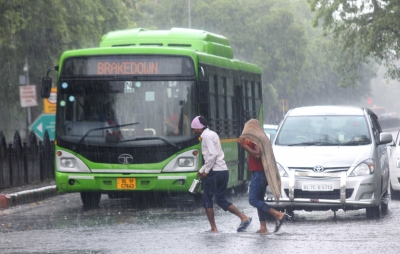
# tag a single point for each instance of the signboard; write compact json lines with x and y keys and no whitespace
{"x":42,"y":123}
{"x":49,"y":104}
{"x":283,"y":105}
{"x":27,"y":95}
{"x":127,"y":65}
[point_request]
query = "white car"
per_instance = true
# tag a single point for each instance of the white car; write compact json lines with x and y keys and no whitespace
{"x":331,"y":158}
{"x":394,"y":167}
{"x":270,"y":130}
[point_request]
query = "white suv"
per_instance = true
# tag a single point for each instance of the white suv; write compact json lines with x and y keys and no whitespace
{"x":330,"y":158}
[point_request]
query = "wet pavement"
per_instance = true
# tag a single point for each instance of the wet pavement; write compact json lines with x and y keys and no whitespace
{"x":61,"y":225}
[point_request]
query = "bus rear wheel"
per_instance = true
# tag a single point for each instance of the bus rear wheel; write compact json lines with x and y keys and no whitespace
{"x":91,"y":199}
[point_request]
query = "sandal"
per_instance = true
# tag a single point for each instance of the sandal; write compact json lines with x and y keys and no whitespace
{"x":279,"y":223}
{"x":242,"y":227}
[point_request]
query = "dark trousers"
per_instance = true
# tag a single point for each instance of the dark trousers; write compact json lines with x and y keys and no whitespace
{"x":215,"y":184}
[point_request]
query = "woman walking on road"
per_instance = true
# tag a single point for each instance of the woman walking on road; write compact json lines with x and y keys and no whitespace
{"x":259,"y":183}
{"x":215,"y":175}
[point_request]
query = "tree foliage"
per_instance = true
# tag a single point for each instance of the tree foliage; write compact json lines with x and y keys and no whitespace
{"x":298,"y":63}
{"x":365,"y":29}
{"x":39,"y":31}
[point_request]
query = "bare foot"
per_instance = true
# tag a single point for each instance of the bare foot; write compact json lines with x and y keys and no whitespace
{"x":280,"y":217}
{"x":245,"y":218}
{"x":211,"y":231}
{"x":264,"y":232}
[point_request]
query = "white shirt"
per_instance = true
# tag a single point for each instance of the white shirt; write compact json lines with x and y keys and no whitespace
{"x":212,"y":152}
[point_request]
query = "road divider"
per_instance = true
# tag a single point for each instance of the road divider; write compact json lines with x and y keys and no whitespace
{"x":27,"y":196}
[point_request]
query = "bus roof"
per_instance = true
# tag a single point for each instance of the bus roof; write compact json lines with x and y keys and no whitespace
{"x":198,"y":40}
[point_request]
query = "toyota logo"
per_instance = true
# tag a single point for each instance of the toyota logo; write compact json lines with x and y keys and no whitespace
{"x":318,"y":169}
{"x":125,"y":158}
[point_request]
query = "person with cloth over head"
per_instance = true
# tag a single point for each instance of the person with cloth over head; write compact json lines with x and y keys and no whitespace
{"x":258,"y":147}
{"x":215,"y":175}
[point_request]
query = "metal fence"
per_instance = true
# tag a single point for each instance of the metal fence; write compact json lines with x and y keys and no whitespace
{"x":22,"y":163}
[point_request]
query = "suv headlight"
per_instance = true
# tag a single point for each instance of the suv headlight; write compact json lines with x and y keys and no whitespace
{"x":282,"y":171}
{"x":364,"y":168}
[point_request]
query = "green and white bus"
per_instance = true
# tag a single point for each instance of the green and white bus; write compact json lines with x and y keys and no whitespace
{"x":124,"y":111}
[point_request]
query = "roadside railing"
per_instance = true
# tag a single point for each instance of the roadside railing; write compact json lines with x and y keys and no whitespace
{"x":25,"y":162}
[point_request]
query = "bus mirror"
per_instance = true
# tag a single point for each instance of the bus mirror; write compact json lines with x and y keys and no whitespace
{"x":46,"y":87}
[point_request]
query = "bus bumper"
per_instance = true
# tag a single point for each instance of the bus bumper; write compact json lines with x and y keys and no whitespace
{"x":106,"y":183}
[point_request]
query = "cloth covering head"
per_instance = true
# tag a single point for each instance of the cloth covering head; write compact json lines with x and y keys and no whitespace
{"x":199,"y":122}
{"x":255,"y":133}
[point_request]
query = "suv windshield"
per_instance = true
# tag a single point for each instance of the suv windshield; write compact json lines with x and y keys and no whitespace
{"x":324,"y":131}
{"x":125,"y":112}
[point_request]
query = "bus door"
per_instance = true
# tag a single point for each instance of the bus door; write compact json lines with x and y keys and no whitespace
{"x":240,"y":121}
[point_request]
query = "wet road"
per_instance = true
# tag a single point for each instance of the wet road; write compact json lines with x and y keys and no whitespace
{"x":61,"y":225}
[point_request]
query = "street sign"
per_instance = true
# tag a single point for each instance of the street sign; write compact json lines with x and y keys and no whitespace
{"x":27,"y":96}
{"x":283,"y":105}
{"x":49,"y":104}
{"x":42,"y":123}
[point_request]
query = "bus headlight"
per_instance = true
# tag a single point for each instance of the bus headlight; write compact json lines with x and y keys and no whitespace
{"x":68,"y":162}
{"x":186,"y":162}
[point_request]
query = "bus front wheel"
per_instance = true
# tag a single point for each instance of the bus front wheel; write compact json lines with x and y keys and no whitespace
{"x":91,"y":199}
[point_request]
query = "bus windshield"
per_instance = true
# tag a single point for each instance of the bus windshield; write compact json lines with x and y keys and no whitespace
{"x":125,"y":112}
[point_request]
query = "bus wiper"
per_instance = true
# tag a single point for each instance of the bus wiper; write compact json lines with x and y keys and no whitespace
{"x":104,"y":128}
{"x":150,"y":138}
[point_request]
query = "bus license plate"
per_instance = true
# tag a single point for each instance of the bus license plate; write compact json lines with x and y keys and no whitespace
{"x":126,"y":183}
{"x":317,"y":186}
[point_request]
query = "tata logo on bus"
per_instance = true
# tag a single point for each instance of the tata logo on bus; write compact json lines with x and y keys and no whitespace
{"x":125,"y":158}
{"x":126,"y":68}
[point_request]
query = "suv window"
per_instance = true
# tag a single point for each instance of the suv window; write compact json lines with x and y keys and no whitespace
{"x":324,"y":130}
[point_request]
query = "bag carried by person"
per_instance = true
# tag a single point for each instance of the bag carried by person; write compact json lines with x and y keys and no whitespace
{"x":195,"y":186}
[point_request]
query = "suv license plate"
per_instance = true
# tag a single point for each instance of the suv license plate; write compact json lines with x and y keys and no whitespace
{"x":317,"y":187}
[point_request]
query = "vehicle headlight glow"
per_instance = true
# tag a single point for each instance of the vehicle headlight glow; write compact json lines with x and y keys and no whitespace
{"x":364,"y":168}
{"x":68,"y":162}
{"x":186,"y":162}
{"x":282,"y":171}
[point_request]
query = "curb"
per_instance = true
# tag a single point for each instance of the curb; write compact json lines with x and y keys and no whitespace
{"x":28,"y":196}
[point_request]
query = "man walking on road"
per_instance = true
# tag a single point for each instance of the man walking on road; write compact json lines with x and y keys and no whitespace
{"x":215,"y":175}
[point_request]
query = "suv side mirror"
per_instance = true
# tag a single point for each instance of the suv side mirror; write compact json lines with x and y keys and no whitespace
{"x":385,"y":138}
{"x":46,"y":87}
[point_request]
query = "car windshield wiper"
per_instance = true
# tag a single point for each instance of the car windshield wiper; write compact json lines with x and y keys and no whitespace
{"x":104,"y":128}
{"x":314,"y":143}
{"x":304,"y":144}
{"x":150,"y":138}
{"x":355,"y":143}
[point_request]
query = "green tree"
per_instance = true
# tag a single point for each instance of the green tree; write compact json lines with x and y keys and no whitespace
{"x":368,"y":29}
{"x":299,"y":64}
{"x":40,"y":31}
